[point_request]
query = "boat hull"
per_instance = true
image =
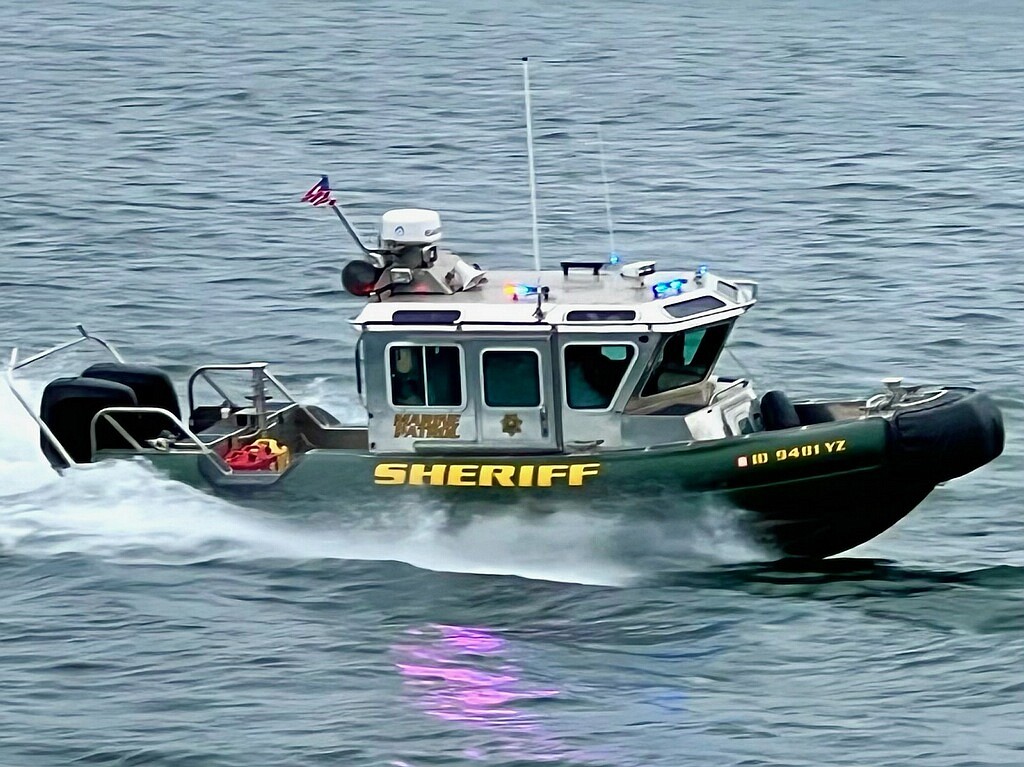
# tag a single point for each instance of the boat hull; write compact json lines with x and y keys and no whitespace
{"x":808,"y":491}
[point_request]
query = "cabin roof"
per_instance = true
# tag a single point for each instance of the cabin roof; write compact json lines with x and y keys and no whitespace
{"x":578,"y":299}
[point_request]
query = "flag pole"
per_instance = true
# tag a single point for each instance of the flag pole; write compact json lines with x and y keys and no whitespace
{"x":351,"y":230}
{"x":320,"y":194}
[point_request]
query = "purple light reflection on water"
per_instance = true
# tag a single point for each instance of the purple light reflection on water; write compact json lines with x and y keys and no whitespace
{"x":472,"y":639}
{"x":458,"y":675}
{"x":461,"y":674}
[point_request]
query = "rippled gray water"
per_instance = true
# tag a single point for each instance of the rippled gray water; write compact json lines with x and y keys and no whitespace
{"x":864,"y":163}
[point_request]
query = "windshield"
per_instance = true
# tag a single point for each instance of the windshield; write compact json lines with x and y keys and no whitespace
{"x":686,"y":358}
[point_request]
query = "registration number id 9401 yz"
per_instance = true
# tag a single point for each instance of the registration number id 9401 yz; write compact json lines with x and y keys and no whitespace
{"x":797,"y":452}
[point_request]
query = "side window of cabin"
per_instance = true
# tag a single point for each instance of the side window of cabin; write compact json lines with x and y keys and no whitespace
{"x":425,"y":376}
{"x":593,"y":373}
{"x":686,"y":358}
{"x":511,"y":378}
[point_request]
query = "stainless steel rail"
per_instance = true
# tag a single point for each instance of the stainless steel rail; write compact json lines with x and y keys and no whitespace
{"x":259,"y":368}
{"x":14,"y":364}
{"x":107,"y":415}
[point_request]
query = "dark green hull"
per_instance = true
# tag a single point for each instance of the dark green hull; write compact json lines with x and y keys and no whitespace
{"x":808,"y":491}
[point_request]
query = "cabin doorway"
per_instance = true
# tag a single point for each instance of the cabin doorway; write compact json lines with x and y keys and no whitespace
{"x":517,"y":398}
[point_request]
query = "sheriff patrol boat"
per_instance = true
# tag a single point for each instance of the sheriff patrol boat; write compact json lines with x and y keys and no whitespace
{"x":593,"y":382}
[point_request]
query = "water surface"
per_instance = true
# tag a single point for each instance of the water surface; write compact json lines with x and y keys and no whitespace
{"x":863,"y":163}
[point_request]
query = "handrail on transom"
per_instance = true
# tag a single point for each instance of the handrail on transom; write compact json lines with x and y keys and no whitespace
{"x":14,"y":364}
{"x":107,"y":415}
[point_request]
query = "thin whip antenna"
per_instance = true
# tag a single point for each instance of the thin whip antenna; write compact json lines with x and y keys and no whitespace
{"x":533,"y":177}
{"x":612,"y":254}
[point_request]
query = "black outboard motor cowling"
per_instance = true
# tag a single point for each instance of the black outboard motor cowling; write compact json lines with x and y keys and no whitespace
{"x":152,"y":386}
{"x":68,"y":407}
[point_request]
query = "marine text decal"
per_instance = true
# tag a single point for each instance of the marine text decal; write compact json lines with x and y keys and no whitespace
{"x":424,"y":426}
{"x":485,"y":475}
{"x":792,"y":453}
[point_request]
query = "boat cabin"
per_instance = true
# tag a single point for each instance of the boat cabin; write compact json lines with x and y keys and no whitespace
{"x":450,"y":360}
{"x":593,"y":356}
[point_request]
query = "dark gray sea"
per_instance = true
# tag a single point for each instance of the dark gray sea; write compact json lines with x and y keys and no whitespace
{"x":863,"y":161}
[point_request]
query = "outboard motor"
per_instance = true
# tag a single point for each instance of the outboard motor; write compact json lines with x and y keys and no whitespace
{"x":152,"y":388}
{"x":70,"y":404}
{"x":68,"y":407}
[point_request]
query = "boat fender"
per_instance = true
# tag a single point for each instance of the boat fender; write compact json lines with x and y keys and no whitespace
{"x":949,"y":438}
{"x":778,"y":412}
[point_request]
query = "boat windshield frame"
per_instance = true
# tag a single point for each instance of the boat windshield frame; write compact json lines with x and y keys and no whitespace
{"x":643,"y":394}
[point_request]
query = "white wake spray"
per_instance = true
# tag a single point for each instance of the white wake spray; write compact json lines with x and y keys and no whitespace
{"x":127,"y":512}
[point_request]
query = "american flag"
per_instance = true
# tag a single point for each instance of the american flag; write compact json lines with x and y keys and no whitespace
{"x":320,"y":193}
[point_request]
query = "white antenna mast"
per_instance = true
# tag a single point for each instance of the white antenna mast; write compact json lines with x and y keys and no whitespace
{"x":533,"y":178}
{"x":613,"y":256}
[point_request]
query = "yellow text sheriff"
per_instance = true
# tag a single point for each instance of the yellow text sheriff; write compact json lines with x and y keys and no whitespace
{"x":485,"y":475}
